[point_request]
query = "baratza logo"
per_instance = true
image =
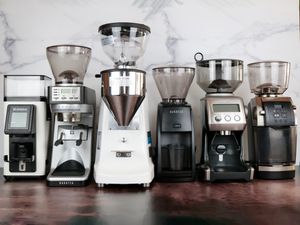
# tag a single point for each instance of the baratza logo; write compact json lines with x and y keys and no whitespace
{"x":66,"y":182}
{"x":19,"y":109}
{"x":176,"y":111}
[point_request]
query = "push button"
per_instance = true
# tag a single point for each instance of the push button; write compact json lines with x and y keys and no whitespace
{"x":237,"y":118}
{"x":227,"y":118}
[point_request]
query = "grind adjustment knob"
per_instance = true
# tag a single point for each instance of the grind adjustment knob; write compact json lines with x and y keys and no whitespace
{"x":218,"y":118}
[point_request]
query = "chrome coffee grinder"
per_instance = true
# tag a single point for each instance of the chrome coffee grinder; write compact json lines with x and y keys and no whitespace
{"x":272,"y":121}
{"x":123,"y":138}
{"x":27,"y":124}
{"x":175,"y":146}
{"x":224,"y":120}
{"x":72,"y":106}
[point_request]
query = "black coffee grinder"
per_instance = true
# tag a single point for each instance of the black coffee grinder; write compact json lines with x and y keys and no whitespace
{"x":175,"y":146}
{"x":223,"y":120}
{"x":271,"y":123}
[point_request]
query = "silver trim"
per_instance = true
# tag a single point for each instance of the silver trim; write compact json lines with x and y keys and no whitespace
{"x":73,"y":108}
{"x":223,"y":124}
{"x":276,"y":168}
{"x":251,"y":173}
{"x":207,"y":174}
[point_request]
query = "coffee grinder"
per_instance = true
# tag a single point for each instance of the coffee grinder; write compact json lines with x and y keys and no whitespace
{"x":27,"y":123}
{"x":175,"y":146}
{"x":123,"y":138}
{"x":72,"y":106}
{"x":272,"y":121}
{"x":223,"y":121}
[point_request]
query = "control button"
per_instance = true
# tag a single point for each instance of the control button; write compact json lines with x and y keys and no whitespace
{"x":284,"y":115}
{"x":218,"y":118}
{"x":237,"y":118}
{"x":227,"y":118}
{"x":276,"y":115}
{"x":176,"y":125}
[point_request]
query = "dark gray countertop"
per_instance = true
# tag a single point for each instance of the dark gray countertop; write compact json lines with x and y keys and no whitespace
{"x":263,"y":202}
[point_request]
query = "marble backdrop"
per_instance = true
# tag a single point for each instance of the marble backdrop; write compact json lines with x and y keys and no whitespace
{"x":250,"y":30}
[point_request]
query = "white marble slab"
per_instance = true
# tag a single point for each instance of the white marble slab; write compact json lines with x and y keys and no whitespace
{"x":249,"y":30}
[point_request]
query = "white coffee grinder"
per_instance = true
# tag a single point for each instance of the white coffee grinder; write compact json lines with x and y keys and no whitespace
{"x":26,"y":125}
{"x":123,"y":138}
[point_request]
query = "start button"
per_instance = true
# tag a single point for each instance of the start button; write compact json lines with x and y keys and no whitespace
{"x":227,"y":118}
{"x":237,"y":118}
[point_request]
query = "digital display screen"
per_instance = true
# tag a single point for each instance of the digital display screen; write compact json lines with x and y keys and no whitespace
{"x":226,"y":107}
{"x":18,"y":120}
{"x":65,"y":91}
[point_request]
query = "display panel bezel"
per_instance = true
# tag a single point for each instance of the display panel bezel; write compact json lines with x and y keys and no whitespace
{"x":221,"y":108}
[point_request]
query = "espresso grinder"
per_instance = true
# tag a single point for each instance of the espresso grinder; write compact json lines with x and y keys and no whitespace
{"x":27,"y":124}
{"x":72,"y":106}
{"x":272,"y":122}
{"x":175,"y":148}
{"x":123,"y":138}
{"x":223,"y":120}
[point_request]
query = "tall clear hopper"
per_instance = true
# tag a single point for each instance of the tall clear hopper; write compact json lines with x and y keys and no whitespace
{"x":173,"y":83}
{"x":24,"y":86}
{"x":219,"y":75}
{"x":123,"y":88}
{"x":124,"y":43}
{"x":68,"y":63}
{"x":269,"y":77}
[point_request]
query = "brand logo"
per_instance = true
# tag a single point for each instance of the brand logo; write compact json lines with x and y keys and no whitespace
{"x":19,"y":109}
{"x":176,"y":111}
{"x":65,"y":182}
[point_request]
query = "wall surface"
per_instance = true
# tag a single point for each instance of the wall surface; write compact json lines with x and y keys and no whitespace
{"x":250,"y":30}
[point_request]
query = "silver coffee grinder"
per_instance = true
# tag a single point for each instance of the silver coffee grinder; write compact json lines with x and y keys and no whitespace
{"x":175,"y":142}
{"x":223,"y":120}
{"x":72,"y":106}
{"x":123,"y":138}
{"x":272,"y":121}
